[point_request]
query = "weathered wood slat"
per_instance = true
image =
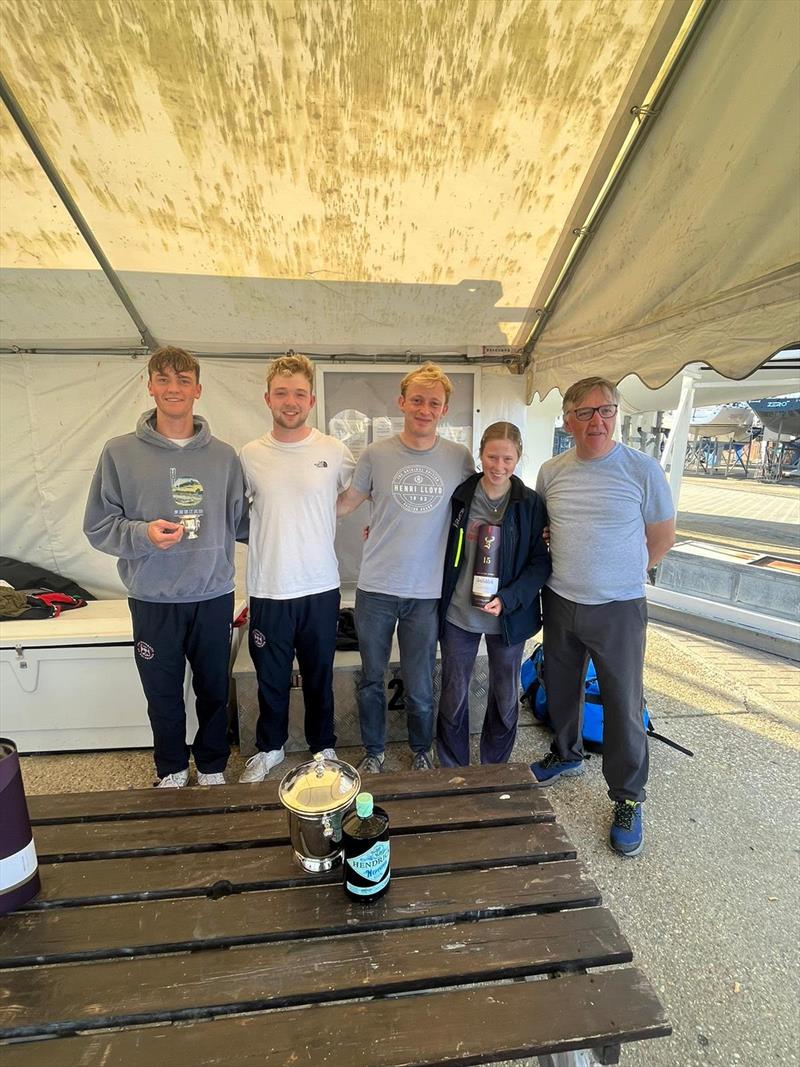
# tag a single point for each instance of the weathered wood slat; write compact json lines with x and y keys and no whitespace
{"x":154,"y":803}
{"x":249,"y":828}
{"x":194,"y":873}
{"x":150,"y":927}
{"x":439,"y":1029}
{"x":131,"y":992}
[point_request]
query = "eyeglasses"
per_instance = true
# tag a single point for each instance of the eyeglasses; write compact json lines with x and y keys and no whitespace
{"x":605,"y":411}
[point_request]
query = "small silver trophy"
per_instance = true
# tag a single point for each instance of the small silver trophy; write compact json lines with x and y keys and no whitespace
{"x":191,"y":523}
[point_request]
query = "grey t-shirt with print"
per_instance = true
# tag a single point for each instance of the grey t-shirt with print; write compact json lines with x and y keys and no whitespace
{"x":460,"y":610}
{"x":597,"y":510}
{"x":410,"y":492}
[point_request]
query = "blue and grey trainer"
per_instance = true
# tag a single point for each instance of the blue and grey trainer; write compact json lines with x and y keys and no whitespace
{"x":627,"y":832}
{"x":551,"y":768}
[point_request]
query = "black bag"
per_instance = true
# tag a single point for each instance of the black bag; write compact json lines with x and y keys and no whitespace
{"x":30,"y":577}
{"x":346,"y":636}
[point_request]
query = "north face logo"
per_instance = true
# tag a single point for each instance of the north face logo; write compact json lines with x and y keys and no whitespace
{"x":144,"y":650}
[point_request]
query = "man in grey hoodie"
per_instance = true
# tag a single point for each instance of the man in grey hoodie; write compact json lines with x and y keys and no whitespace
{"x":169,"y":502}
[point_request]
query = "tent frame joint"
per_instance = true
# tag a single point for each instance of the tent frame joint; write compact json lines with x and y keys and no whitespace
{"x":644,"y":111}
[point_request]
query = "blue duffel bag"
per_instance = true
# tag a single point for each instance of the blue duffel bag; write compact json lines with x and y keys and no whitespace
{"x":534,"y":696}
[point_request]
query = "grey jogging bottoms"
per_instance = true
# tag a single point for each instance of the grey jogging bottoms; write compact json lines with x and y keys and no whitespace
{"x":613,"y":635}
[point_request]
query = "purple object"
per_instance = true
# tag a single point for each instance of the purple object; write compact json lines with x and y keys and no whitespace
{"x":19,"y":869}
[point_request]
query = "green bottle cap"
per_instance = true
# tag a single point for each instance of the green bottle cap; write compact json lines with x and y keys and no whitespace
{"x":364,"y":805}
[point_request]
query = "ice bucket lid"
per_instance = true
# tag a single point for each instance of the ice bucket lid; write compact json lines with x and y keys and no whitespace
{"x":322,"y":785}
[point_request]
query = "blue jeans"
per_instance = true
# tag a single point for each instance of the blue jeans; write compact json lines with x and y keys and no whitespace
{"x":417,"y":623}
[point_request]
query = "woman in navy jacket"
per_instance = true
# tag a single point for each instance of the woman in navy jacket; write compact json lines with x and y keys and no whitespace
{"x":496,"y":497}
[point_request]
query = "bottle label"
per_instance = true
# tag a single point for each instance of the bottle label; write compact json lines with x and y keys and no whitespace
{"x":17,"y":868}
{"x":368,"y":890}
{"x":483,"y":585}
{"x":372,"y":866}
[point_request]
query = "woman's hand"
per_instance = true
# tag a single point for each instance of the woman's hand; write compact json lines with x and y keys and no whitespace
{"x":546,"y":535}
{"x":494,"y":607}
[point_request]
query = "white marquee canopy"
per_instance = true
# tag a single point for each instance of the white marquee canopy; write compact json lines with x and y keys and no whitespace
{"x":401,"y":177}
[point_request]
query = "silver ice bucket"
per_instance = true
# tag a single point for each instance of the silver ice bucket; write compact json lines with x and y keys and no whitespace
{"x":317,"y":795}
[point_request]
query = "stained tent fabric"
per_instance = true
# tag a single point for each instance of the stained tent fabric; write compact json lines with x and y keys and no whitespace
{"x":390,"y":178}
{"x":329,"y":175}
{"x":697,"y":260}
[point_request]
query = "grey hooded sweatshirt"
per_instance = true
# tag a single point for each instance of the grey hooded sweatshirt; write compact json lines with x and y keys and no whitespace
{"x":144,"y":476}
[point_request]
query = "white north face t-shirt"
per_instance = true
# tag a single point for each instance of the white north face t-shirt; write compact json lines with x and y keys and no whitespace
{"x":410,"y":492}
{"x":293,"y":490}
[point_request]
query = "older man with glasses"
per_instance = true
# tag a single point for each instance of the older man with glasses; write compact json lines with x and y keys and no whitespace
{"x":611,"y":518}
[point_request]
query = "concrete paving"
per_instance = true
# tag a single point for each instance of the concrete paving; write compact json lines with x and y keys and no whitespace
{"x":710,"y":907}
{"x":741,"y":514}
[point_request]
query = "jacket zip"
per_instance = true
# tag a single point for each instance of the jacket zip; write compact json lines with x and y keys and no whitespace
{"x":501,"y":561}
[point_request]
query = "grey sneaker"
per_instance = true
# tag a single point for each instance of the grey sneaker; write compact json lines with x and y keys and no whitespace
{"x":422,"y":762}
{"x":371,"y":764}
{"x":176,"y":780}
{"x":328,"y":753}
{"x":214,"y":778}
{"x":258,"y":767}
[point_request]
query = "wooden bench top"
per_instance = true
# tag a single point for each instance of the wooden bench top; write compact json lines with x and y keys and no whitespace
{"x":174,"y":926}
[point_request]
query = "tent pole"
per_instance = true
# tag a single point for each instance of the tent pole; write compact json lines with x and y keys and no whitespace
{"x":47,"y":165}
{"x":657,"y":434}
{"x":680,"y":435}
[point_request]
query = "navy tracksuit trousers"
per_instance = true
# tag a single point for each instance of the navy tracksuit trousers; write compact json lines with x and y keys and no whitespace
{"x":280,"y":629}
{"x":165,"y":636}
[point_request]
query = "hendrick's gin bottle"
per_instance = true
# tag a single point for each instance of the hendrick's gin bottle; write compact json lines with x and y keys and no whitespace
{"x":486,"y":575}
{"x":365,"y":837}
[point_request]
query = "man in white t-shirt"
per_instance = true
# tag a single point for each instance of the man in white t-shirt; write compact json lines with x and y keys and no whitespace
{"x":293,"y":477}
{"x":611,"y":519}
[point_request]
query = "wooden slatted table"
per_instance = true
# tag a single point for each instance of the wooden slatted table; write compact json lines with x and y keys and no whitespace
{"x":174,"y":927}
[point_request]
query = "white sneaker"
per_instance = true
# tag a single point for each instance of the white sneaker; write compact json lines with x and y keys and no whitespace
{"x":176,"y":780}
{"x":328,"y":753}
{"x":215,"y":778}
{"x":258,"y":767}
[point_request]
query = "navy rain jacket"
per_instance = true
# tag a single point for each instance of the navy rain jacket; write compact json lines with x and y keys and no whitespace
{"x":524,"y":557}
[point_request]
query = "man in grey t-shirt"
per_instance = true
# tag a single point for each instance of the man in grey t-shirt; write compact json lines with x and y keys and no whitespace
{"x":409,"y":479}
{"x":611,"y":518}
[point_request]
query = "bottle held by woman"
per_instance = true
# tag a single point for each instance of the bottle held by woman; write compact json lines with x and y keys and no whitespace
{"x":486,"y":575}
{"x":496,"y":564}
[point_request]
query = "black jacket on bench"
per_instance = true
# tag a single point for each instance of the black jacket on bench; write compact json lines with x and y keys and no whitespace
{"x":524,"y":558}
